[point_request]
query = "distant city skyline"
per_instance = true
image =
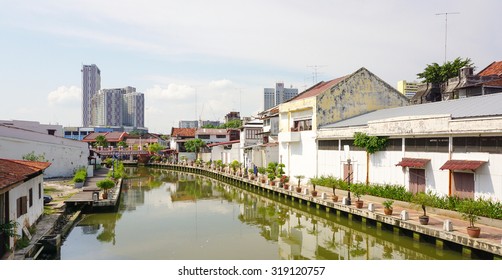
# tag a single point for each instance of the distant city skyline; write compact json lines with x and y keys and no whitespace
{"x":201,"y":63}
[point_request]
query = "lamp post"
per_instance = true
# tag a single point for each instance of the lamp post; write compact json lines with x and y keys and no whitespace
{"x":349,"y":166}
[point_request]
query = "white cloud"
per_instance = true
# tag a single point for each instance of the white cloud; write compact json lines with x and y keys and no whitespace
{"x":65,"y":95}
{"x":173,"y":92}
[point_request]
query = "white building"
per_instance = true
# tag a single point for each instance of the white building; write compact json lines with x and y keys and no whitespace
{"x":65,"y":155}
{"x":324,"y":103}
{"x":51,"y":129}
{"x":21,"y":196}
{"x":212,"y":135}
{"x":91,"y":84}
{"x":450,"y":148}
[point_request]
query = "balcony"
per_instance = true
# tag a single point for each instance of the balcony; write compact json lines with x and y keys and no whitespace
{"x":290,"y":136}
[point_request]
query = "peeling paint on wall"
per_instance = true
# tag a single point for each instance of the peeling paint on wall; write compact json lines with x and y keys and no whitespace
{"x":360,"y":93}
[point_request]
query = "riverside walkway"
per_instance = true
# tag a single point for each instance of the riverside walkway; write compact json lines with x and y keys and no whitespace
{"x":488,"y":245}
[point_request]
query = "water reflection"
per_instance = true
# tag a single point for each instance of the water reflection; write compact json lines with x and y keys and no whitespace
{"x":173,"y":215}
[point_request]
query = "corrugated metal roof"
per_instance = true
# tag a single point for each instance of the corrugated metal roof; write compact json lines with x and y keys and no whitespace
{"x":479,"y":106}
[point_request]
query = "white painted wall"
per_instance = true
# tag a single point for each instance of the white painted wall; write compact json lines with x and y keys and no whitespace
{"x":65,"y":155}
{"x":35,"y":211}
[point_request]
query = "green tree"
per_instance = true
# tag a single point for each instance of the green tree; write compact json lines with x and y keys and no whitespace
{"x":435,"y":73}
{"x":372,"y":144}
{"x":154,"y":148}
{"x":101,"y":141}
{"x":209,"y":126}
{"x":121,"y":144}
{"x":232,"y":124}
{"x":194,"y":145}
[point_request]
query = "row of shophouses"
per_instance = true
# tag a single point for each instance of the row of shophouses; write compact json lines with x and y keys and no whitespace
{"x":451,"y":147}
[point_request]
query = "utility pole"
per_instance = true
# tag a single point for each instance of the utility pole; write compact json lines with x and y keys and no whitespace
{"x":446,"y":29}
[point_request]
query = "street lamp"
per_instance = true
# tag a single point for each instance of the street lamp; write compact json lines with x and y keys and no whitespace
{"x":349,"y":166}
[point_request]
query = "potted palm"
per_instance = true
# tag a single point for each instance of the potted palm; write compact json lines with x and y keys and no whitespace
{"x":314,"y":181}
{"x":470,"y":211}
{"x":358,"y":190}
{"x":387,"y":206}
{"x":105,"y":185}
{"x":271,"y":178}
{"x":422,"y":200}
{"x":298,"y":188}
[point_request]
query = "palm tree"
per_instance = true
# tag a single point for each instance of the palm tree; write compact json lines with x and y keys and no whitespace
{"x":101,"y":141}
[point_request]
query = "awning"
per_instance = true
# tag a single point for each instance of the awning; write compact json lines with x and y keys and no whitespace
{"x":462,"y":165}
{"x":413,"y":162}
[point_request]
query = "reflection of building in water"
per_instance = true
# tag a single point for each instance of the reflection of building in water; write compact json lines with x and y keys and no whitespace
{"x":303,"y":235}
{"x":132,"y":194}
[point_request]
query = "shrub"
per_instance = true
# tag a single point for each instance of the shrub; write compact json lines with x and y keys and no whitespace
{"x":105,"y":184}
{"x":80,"y":175}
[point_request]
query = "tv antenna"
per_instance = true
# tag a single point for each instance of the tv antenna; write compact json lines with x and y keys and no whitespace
{"x":314,"y":74}
{"x":446,"y":29}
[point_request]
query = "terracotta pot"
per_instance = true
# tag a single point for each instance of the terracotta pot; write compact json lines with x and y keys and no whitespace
{"x":298,"y":189}
{"x":473,"y":232}
{"x":286,"y":186}
{"x":359,"y":204}
{"x":105,"y":195}
{"x":423,"y":220}
{"x":334,"y":198}
{"x":387,"y":211}
{"x":314,"y":193}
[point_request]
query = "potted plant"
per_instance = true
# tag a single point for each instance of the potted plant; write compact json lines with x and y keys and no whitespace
{"x":422,"y":200}
{"x":271,"y":177}
{"x":79,"y":177}
{"x":298,"y":188}
{"x":235,"y":165}
{"x":251,"y":174}
{"x":470,"y":211}
{"x":105,"y":185}
{"x":358,"y":190}
{"x":285,"y":182}
{"x":387,"y":206}
{"x":314,"y":181}
{"x":262,"y":171}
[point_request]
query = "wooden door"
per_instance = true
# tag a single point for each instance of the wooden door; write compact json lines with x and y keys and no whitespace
{"x":463,"y":185}
{"x":417,"y":180}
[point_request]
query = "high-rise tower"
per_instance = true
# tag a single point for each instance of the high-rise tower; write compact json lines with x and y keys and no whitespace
{"x":91,"y":84}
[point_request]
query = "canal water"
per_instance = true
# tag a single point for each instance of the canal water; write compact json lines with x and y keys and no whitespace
{"x":170,"y":215}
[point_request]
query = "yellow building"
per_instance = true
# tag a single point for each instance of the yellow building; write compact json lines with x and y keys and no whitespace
{"x":407,"y":88}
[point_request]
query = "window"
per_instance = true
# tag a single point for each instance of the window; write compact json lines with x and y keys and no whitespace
{"x":350,"y":143}
{"x":39,"y":190}
{"x":328,"y":145}
{"x":203,"y":136}
{"x":394,"y":144}
{"x":21,"y":206}
{"x":30,"y":192}
{"x":491,"y":144}
{"x":302,"y":125}
{"x":426,"y":144}
{"x":221,"y":136}
{"x":253,"y":134}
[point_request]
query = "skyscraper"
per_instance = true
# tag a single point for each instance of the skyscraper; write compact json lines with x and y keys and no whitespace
{"x":118,"y":107}
{"x":91,"y":84}
{"x":274,"y":97}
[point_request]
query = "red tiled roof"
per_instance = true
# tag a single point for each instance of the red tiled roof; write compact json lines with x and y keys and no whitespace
{"x":115,"y":136}
{"x":495,"y":68}
{"x":413,"y":162}
{"x":183,"y":132}
{"x":15,"y":171}
{"x":91,"y":137}
{"x":462,"y":164}
{"x":318,"y":88}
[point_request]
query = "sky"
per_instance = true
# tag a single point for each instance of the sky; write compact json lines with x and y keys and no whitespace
{"x":199,"y":59}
